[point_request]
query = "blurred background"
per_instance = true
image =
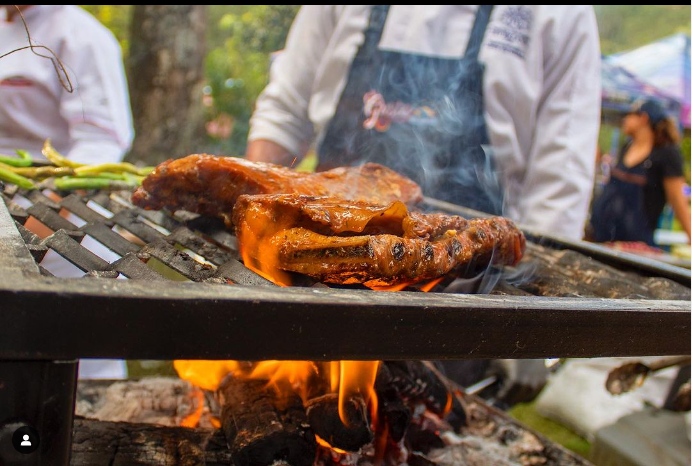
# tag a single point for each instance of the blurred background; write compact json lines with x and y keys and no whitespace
{"x":241,"y":38}
{"x":202,"y":98}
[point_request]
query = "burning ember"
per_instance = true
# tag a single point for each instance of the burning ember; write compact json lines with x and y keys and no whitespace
{"x":335,"y":413}
{"x":348,"y":379}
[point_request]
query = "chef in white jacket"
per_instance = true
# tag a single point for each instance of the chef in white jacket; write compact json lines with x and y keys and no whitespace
{"x":496,"y":108}
{"x":91,"y":125}
{"x":541,"y":93}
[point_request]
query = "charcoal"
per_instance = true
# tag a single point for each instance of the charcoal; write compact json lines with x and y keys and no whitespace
{"x":423,"y":440}
{"x":397,"y":416}
{"x":417,"y":459}
{"x":263,"y":425}
{"x":323,"y":415}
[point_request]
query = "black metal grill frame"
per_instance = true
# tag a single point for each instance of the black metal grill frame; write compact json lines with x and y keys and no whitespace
{"x":154,"y":318}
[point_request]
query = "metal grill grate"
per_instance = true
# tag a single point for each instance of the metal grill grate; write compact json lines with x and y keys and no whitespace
{"x":134,"y":234}
{"x":253,"y":319}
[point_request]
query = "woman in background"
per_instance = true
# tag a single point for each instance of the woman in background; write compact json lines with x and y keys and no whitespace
{"x":648,"y":174}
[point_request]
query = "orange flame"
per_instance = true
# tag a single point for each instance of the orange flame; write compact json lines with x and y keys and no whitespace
{"x":398,"y":287}
{"x":348,"y":378}
{"x":191,"y":420}
{"x":205,"y":374}
{"x":259,"y":251}
{"x":430,"y":285}
{"x":357,"y":378}
{"x":324,"y":443}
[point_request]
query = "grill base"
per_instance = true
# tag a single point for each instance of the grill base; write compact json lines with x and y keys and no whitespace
{"x":41,"y":395}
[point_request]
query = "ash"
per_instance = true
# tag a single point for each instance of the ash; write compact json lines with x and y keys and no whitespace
{"x":473,"y":450}
{"x":157,"y":400}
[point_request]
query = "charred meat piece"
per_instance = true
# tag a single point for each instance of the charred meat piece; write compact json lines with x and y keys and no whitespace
{"x":334,"y":216}
{"x":346,"y":243}
{"x":210,"y":185}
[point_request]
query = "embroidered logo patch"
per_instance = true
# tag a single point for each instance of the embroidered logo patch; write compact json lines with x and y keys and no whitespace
{"x":381,"y":114}
{"x":511,"y":32}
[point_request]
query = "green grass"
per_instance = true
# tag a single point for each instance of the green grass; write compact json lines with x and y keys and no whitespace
{"x":554,"y":431}
{"x":139,"y":369}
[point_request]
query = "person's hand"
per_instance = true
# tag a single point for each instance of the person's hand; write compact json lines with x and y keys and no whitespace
{"x":521,"y":379}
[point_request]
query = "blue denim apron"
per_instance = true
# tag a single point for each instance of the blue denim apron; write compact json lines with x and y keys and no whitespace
{"x":420,"y":115}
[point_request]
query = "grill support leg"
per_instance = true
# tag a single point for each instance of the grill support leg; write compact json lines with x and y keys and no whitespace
{"x":41,"y":395}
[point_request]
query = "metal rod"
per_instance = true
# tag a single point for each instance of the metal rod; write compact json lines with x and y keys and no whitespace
{"x":70,"y":318}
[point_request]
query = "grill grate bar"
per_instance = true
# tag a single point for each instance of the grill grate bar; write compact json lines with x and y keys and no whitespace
{"x":50,"y":218}
{"x":132,"y":267}
{"x":177,"y":260}
{"x":38,"y":198}
{"x":216,"y":230}
{"x":110,"y":238}
{"x":240,"y":274}
{"x":161,"y":218}
{"x":197,"y":244}
{"x":71,"y":250}
{"x":128,"y":220}
{"x":74,"y":204}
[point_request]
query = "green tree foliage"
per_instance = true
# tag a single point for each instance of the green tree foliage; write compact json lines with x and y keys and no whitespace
{"x":117,"y":19}
{"x":240,"y":41}
{"x":242,"y":37}
{"x":625,"y":27}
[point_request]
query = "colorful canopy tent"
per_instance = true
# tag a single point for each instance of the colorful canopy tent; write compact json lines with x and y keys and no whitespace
{"x":665,"y":64}
{"x":620,"y":89}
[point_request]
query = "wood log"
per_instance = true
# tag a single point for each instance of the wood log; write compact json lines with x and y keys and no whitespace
{"x":397,"y":416}
{"x":411,"y":381}
{"x":323,"y":415}
{"x":123,"y":443}
{"x":263,"y":425}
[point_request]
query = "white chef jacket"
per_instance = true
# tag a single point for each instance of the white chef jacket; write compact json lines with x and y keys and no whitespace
{"x":91,"y":125}
{"x":541,"y":90}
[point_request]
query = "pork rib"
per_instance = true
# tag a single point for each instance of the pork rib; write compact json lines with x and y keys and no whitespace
{"x":210,"y":185}
{"x":378,"y":245}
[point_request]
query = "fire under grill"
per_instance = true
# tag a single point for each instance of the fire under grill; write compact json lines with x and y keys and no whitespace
{"x":173,"y":287}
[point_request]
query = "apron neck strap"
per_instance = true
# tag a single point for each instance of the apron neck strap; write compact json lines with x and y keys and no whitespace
{"x":483,"y":16}
{"x":376,"y":24}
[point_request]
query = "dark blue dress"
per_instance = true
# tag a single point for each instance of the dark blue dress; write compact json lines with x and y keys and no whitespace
{"x":632,"y":201}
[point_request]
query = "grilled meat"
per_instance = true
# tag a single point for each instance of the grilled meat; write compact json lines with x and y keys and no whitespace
{"x":356,"y":242}
{"x":211,"y":185}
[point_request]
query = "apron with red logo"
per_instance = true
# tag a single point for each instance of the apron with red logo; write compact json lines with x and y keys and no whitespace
{"x":420,"y":115}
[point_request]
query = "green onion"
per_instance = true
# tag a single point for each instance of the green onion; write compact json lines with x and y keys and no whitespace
{"x":43,"y":172}
{"x":24,"y":159}
{"x":6,"y":174}
{"x":56,"y":159}
{"x":69,"y":183}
